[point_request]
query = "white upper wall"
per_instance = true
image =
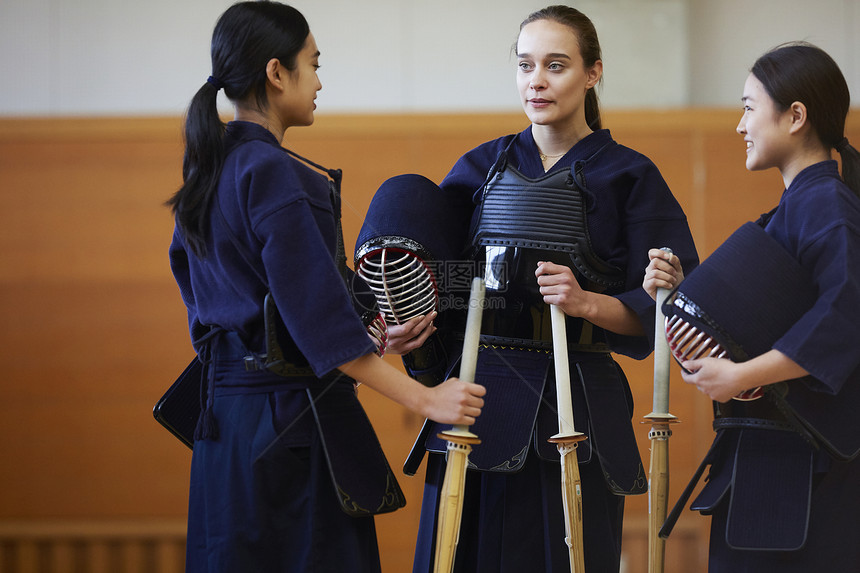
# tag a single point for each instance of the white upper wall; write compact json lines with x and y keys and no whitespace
{"x":728,"y":35}
{"x":116,"y":57}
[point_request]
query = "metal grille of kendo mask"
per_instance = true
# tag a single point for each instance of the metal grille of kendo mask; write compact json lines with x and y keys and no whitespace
{"x":687,"y":342}
{"x":402,"y":282}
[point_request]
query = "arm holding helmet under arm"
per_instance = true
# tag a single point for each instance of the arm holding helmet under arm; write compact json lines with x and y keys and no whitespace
{"x":721,"y":379}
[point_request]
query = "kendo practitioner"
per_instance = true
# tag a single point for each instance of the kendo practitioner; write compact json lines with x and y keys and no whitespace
{"x":784,"y":474}
{"x":286,"y":473}
{"x":557,"y":214}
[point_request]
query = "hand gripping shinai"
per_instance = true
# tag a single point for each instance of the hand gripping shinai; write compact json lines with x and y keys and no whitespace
{"x":660,"y":418}
{"x":460,"y":441}
{"x":566,"y":441}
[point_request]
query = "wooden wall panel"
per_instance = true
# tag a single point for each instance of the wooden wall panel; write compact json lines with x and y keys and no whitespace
{"x":93,"y":329}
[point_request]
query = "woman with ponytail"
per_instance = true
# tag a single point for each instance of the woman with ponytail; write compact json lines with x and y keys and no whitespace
{"x":565,"y":217}
{"x":784,"y":467}
{"x":286,"y":472}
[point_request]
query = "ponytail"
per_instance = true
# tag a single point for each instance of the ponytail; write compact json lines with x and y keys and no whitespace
{"x":245,"y":38}
{"x":850,"y":165}
{"x":201,"y":167}
{"x":592,"y":109}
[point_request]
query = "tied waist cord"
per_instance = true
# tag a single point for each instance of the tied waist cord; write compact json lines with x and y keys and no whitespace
{"x":223,"y":351}
{"x":207,"y":426}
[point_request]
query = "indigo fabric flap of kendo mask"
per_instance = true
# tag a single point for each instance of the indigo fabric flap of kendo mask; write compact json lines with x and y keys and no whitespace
{"x":409,"y":218}
{"x":744,"y":296}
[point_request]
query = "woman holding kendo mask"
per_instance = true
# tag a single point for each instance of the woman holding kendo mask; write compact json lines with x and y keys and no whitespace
{"x":566,"y":217}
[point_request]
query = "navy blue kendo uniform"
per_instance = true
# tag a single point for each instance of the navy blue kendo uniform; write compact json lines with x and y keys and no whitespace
{"x":783,"y":493}
{"x":263,"y":496}
{"x":513,"y":516}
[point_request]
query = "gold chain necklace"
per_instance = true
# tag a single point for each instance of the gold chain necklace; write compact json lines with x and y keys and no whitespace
{"x":543,"y":156}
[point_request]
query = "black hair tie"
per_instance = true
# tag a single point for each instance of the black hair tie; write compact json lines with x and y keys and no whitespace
{"x":215,"y":82}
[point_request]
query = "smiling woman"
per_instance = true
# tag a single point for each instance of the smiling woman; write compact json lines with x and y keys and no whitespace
{"x":765,"y":131}
{"x":781,"y":464}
